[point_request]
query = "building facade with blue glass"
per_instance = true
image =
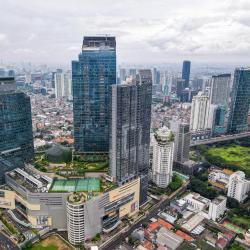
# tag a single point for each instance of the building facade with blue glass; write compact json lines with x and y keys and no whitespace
{"x":92,"y":75}
{"x":16,"y":138}
{"x":240,"y":101}
{"x":186,"y":72}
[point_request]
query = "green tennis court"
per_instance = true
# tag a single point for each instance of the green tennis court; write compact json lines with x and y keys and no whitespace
{"x":76,"y":185}
{"x":233,"y":227}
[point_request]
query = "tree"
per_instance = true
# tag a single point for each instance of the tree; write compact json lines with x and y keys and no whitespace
{"x":232,"y":203}
{"x":176,"y":183}
{"x":241,"y":236}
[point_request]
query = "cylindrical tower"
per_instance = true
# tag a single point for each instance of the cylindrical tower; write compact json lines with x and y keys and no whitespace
{"x":75,"y":218}
{"x":163,"y":151}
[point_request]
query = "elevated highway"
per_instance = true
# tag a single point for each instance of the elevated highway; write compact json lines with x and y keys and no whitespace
{"x":220,"y":139}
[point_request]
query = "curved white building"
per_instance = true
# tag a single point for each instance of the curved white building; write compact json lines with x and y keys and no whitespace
{"x":75,"y":219}
{"x":163,"y":153}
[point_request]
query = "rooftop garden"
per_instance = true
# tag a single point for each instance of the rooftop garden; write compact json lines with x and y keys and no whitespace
{"x":78,"y":167}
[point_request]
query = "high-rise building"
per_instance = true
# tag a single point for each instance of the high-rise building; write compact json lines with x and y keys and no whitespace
{"x":180,"y":86}
{"x":92,"y":76}
{"x":219,"y":89}
{"x":156,"y":76}
{"x":67,"y":85}
{"x":16,"y":138}
{"x":200,"y":113}
{"x":238,"y":186}
{"x":130,"y":130}
{"x":217,"y":119}
{"x":63,"y":83}
{"x":186,"y":72}
{"x":240,"y":101}
{"x":182,"y":140}
{"x":123,"y":75}
{"x":132,"y":72}
{"x":59,"y":83}
{"x":163,"y":153}
{"x":217,"y":207}
{"x":197,"y":84}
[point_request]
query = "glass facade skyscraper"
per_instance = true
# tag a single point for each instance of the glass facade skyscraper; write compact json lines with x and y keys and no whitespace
{"x":130,"y":130}
{"x":92,"y":75}
{"x":16,"y":138}
{"x":240,"y":101}
{"x":220,"y":88}
{"x":186,"y":72}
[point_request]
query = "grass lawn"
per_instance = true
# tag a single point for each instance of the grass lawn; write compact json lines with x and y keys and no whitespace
{"x":233,"y":155}
{"x":51,"y":243}
{"x":243,"y":220}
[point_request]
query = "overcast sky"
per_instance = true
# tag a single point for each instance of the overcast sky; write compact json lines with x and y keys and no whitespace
{"x":147,"y":31}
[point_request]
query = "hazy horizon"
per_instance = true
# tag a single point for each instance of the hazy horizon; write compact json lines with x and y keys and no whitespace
{"x":147,"y":32}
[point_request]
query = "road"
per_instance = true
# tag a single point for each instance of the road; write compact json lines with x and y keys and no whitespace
{"x":219,"y":139}
{"x":153,"y":213}
{"x":7,"y":244}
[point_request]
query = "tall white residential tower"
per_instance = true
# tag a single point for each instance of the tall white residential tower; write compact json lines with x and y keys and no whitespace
{"x":163,"y":153}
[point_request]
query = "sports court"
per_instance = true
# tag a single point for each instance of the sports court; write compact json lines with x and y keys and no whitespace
{"x":233,"y":227}
{"x":76,"y":185}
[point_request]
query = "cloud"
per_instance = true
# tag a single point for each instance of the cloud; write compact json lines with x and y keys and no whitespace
{"x":147,"y":31}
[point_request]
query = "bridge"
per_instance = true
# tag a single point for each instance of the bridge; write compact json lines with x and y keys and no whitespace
{"x":220,"y":139}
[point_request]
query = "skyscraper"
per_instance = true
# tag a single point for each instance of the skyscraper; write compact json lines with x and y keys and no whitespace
{"x":180,"y":86}
{"x":132,"y":72}
{"x":16,"y":138}
{"x":92,"y":75}
{"x":199,"y":113}
{"x":58,"y":83}
{"x":163,"y":153}
{"x":63,"y":84}
{"x":130,"y":130}
{"x":122,"y":75}
{"x":186,"y":72}
{"x":182,"y":140}
{"x":240,"y":101}
{"x":220,"y":88}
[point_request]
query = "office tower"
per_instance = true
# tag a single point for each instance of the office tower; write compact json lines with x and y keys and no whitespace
{"x":238,"y":186}
{"x":92,"y":76}
{"x":219,"y":89}
{"x":67,"y":84}
{"x":123,"y":75}
{"x":199,"y":112}
{"x":217,"y":119}
{"x":212,"y":116}
{"x":16,"y":138}
{"x":182,"y":140}
{"x":240,"y":101}
{"x":163,"y":153}
{"x":53,"y":84}
{"x":197,"y":84}
{"x":180,"y":86}
{"x":186,"y":72}
{"x":132,"y":72}
{"x":156,"y":76}
{"x":130,"y":130}
{"x":59,"y":83}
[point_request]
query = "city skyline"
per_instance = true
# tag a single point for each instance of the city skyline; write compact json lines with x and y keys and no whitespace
{"x":161,"y":32}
